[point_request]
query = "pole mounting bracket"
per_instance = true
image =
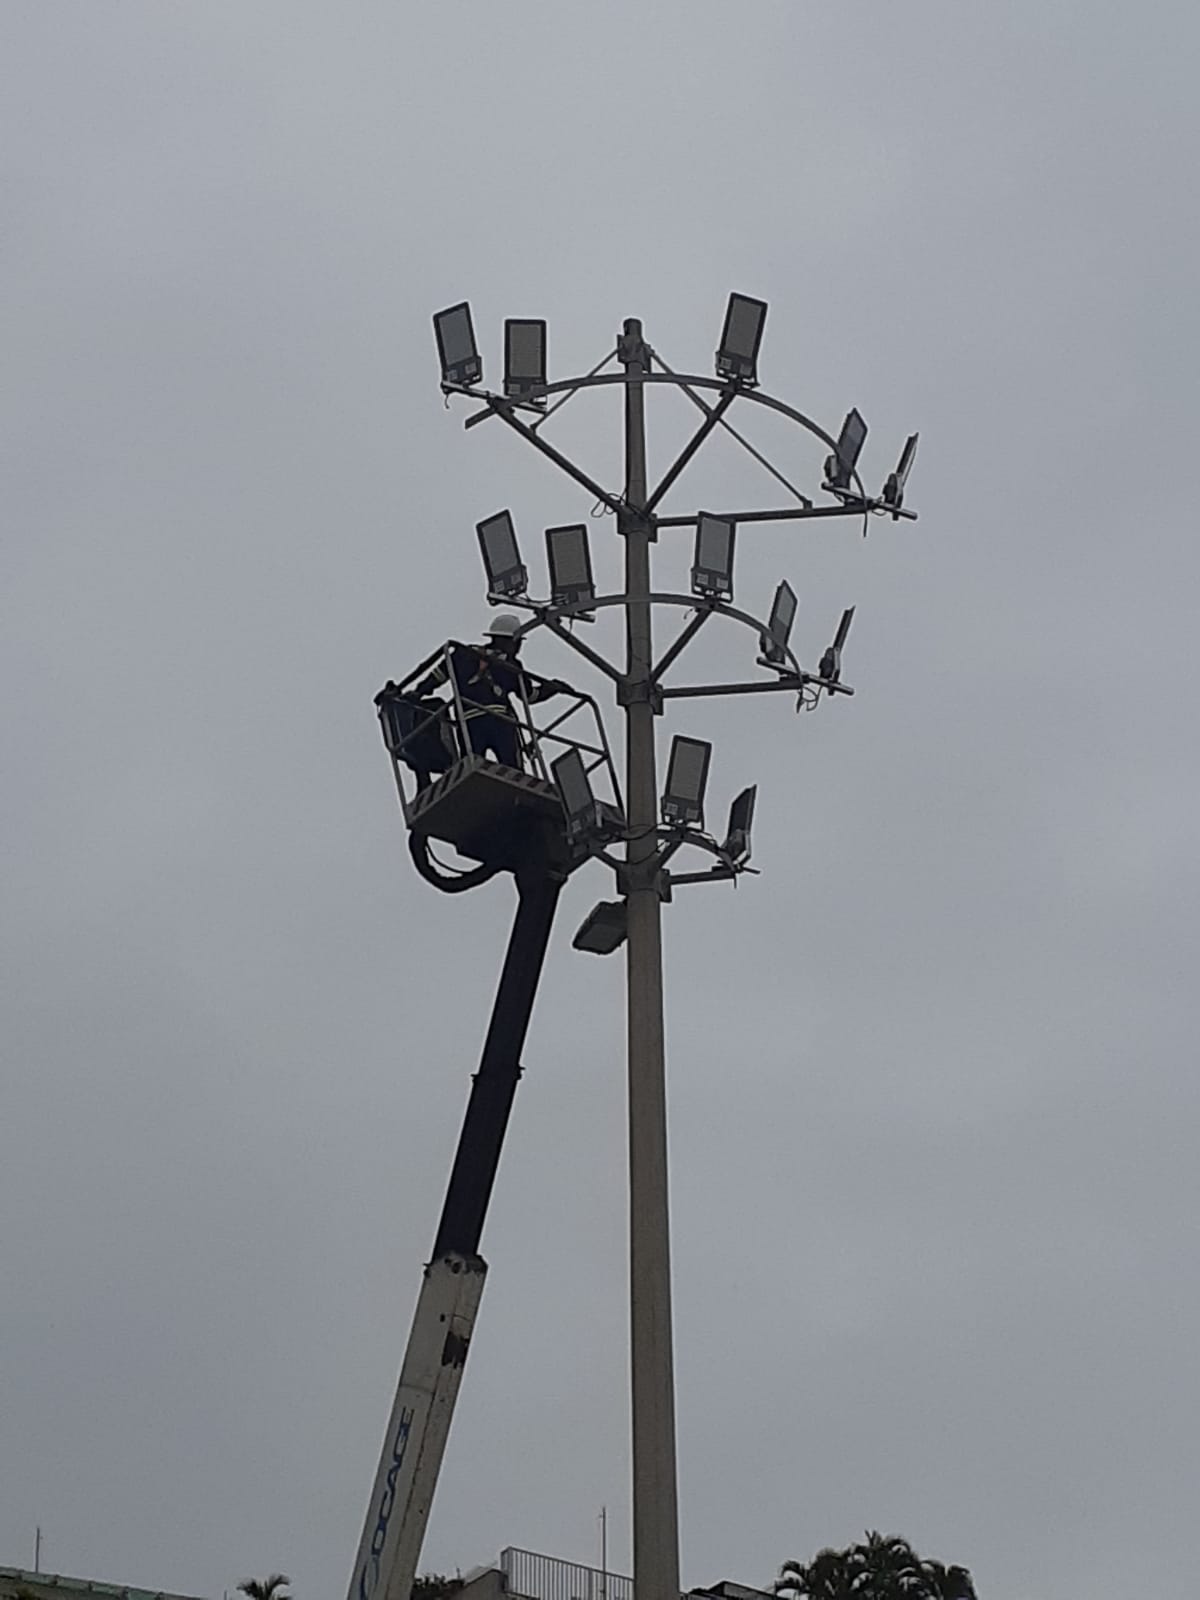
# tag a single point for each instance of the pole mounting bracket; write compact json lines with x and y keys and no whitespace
{"x":632,"y":520}
{"x":634,"y":875}
{"x":644,"y":692}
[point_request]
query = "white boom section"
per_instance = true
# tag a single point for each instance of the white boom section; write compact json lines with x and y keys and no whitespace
{"x":415,"y":1442}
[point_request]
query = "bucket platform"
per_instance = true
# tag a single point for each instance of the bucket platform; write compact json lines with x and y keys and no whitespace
{"x":479,"y":803}
{"x":485,"y":809}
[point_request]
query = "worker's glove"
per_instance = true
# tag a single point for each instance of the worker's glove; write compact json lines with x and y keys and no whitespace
{"x":557,"y":686}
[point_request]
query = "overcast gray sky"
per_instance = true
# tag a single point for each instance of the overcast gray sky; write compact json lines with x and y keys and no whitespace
{"x":933,"y":1086}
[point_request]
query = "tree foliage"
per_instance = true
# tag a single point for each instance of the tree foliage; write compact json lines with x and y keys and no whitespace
{"x":429,"y":1586}
{"x":266,"y":1588}
{"x":881,"y":1567}
{"x":432,"y":1586}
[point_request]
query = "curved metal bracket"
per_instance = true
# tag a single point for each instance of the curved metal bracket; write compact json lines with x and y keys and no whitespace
{"x":654,"y":869}
{"x":680,"y":380}
{"x":549,"y":616}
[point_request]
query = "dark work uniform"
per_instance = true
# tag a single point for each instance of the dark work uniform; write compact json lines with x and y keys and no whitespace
{"x":486,"y":679}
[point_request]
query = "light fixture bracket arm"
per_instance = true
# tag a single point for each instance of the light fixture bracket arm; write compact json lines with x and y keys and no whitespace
{"x":713,"y":875}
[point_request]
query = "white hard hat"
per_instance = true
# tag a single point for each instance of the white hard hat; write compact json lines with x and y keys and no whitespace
{"x":505,"y":626}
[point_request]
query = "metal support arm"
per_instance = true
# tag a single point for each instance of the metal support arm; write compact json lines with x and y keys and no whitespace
{"x":712,"y":415}
{"x":786,"y":685}
{"x":506,"y":414}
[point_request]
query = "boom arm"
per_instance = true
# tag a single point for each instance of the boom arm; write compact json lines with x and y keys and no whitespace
{"x":444,"y":1318}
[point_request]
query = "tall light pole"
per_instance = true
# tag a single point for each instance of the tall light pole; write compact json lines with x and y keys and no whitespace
{"x":651,"y":838}
{"x":655,"y":1492}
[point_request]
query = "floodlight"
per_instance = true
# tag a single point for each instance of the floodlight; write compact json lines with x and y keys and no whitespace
{"x":604,"y":929}
{"x":575,"y":790}
{"x":687,"y":775}
{"x":779,"y":624}
{"x":457,"y":350}
{"x":524,"y":356}
{"x":737,"y":355}
{"x":712,"y":568}
{"x":831,"y":662}
{"x":840,"y":466}
{"x":893,"y":489}
{"x":741,"y":816}
{"x":570,"y":563}
{"x":502,"y":562}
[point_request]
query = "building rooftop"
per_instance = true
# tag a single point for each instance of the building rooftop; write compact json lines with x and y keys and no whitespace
{"x":530,"y":1576}
{"x":517,"y":1575}
{"x":15,"y":1581}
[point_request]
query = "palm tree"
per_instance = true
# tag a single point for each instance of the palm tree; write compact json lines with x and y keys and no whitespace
{"x":947,"y":1583}
{"x":889,"y":1567}
{"x":828,"y":1576}
{"x":265,"y":1588}
{"x":882,"y":1567}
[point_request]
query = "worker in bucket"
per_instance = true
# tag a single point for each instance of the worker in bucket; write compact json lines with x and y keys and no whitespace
{"x":487,"y":677}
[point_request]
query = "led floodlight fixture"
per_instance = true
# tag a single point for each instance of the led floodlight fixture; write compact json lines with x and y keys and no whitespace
{"x":524,"y":356}
{"x":737,"y":354}
{"x":831,"y":662}
{"x":840,"y":466}
{"x":604,"y":929}
{"x":570,"y":562}
{"x":502,"y":562}
{"x":687,"y":776}
{"x":712,"y":567}
{"x":575,"y":790}
{"x":779,"y":623}
{"x":893,"y":489}
{"x":457,"y":350}
{"x":741,"y":818}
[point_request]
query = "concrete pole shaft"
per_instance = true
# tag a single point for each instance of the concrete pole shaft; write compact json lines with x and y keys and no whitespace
{"x":655,"y":1495}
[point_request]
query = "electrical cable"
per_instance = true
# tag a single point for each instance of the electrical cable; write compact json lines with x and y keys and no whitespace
{"x":418,"y":849}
